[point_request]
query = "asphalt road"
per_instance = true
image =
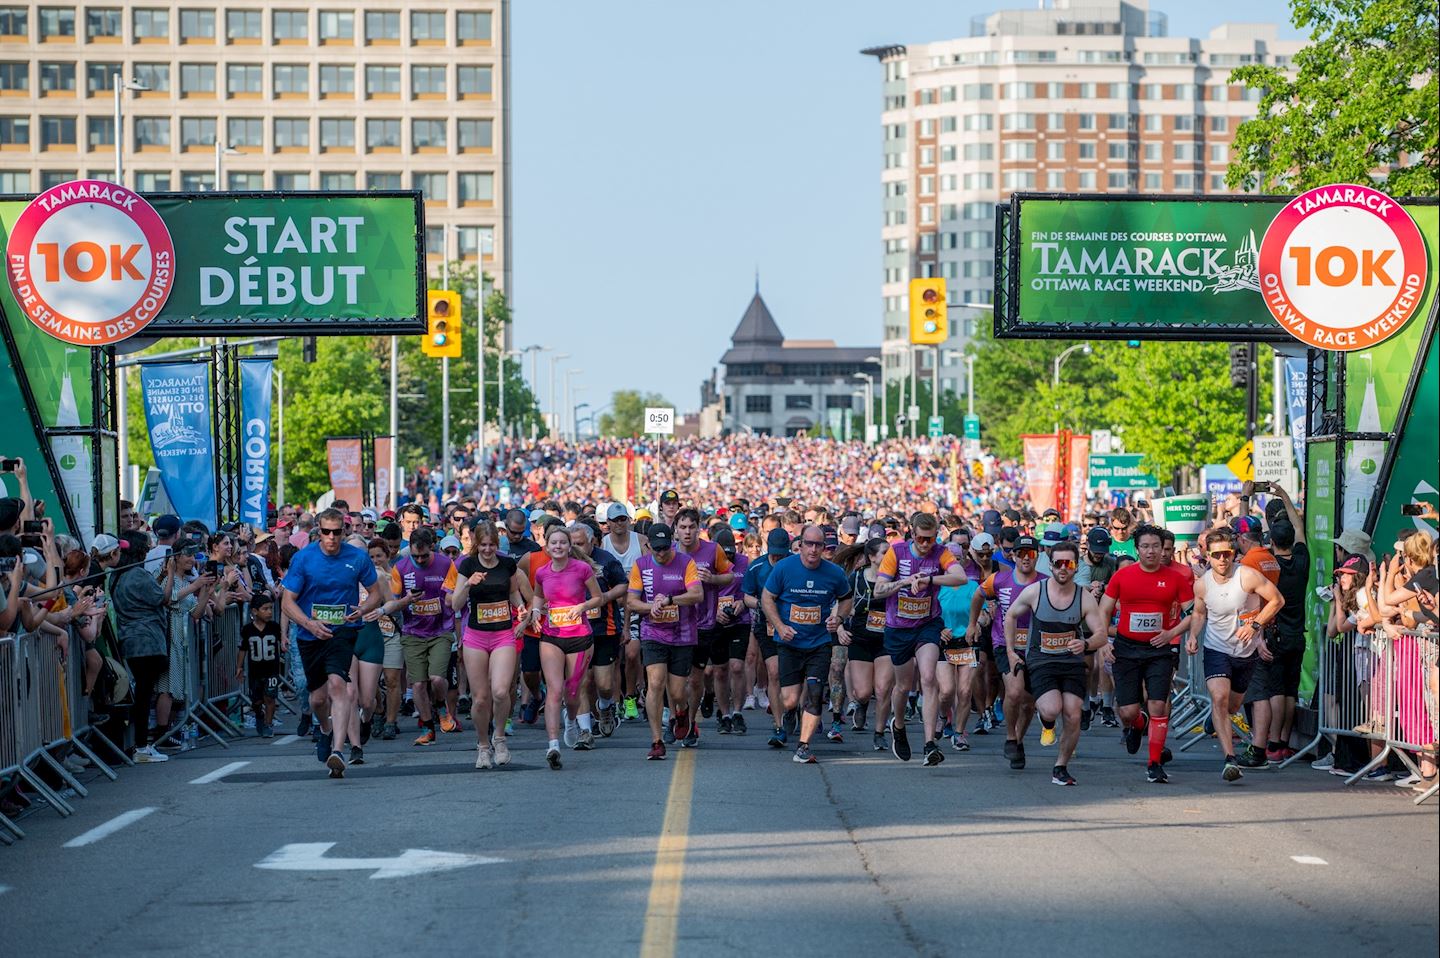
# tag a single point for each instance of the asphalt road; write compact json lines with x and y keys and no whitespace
{"x":729,"y":849}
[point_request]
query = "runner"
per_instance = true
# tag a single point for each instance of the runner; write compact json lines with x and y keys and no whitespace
{"x":909,"y":579}
{"x":489,"y":588}
{"x":715,"y":574}
{"x":1228,"y":611}
{"x":1054,"y":659}
{"x":958,"y":665}
{"x":1276,"y":685}
{"x":1096,"y":567}
{"x":606,"y":627}
{"x":866,"y":635}
{"x":1002,"y":588}
{"x":805,"y":598}
{"x":670,"y":509}
{"x":1148,"y":596}
{"x":389,"y":623}
{"x":663,"y":587}
{"x":777,"y":547}
{"x":622,"y":542}
{"x":732,"y":626}
{"x":566,"y":589}
{"x":423,"y":580}
{"x":986,"y":685}
{"x":322,"y":596}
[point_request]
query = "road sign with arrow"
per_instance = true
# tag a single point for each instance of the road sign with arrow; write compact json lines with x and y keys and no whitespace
{"x":310,"y":856}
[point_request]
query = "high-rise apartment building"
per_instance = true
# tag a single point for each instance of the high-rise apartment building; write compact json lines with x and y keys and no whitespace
{"x":318,"y":95}
{"x":1083,"y":96}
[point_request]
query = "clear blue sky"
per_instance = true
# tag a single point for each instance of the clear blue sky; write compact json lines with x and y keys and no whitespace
{"x":665,"y":149}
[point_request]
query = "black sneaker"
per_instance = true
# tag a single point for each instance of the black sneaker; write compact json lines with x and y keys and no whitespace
{"x":1133,"y":736}
{"x":933,"y":755}
{"x":1084,"y":720}
{"x":1061,"y":776}
{"x":1230,"y":772}
{"x":857,"y":721}
{"x":1252,"y":758}
{"x":367,"y":727}
{"x":1156,"y":773}
{"x":1107,"y":717}
{"x":357,"y":755}
{"x":1010,"y":746}
{"x":336,"y":764}
{"x":322,"y":744}
{"x":899,"y":742}
{"x":737,"y":724}
{"x":981,"y":728}
{"x":707,"y":704}
{"x":1166,"y":756}
{"x":306,"y":721}
{"x":722,"y":727}
{"x":1017,"y":760}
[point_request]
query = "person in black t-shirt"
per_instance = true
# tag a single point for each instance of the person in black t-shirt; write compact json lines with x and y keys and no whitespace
{"x":1276,"y":684}
{"x":262,"y":648}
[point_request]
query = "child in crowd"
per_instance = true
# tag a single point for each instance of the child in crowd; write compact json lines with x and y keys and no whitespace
{"x":262,"y":647}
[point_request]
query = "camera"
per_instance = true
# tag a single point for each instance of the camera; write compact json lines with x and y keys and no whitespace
{"x":1408,"y":509}
{"x":212,"y":567}
{"x":33,"y":527}
{"x":7,"y":564}
{"x":1325,"y":592}
{"x":9,"y":465}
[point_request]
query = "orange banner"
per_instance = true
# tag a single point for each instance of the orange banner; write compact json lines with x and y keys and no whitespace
{"x":346,"y":474}
{"x":382,"y":473}
{"x":1042,"y":454}
{"x":1079,"y":468}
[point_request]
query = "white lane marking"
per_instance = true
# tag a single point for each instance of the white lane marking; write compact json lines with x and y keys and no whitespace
{"x":218,"y":774}
{"x":1308,"y":860}
{"x":109,"y":828}
{"x":310,"y":856}
{"x":286,"y":740}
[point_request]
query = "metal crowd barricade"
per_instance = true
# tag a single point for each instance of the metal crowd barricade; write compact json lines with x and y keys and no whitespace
{"x":194,"y":710}
{"x":1414,"y":720}
{"x":222,"y":655}
{"x":1190,"y":703}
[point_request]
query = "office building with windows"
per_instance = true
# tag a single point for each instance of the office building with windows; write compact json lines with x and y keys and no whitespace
{"x":299,"y":96}
{"x":1080,"y":96}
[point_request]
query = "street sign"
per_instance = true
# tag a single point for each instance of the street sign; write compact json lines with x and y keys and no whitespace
{"x":914,"y":413}
{"x":1100,"y":442}
{"x":1273,"y":459}
{"x":310,"y":857}
{"x":1243,"y":462}
{"x":1120,"y":472}
{"x":972,"y":427}
{"x":660,"y":420}
{"x":937,"y":427}
{"x":1218,"y":480}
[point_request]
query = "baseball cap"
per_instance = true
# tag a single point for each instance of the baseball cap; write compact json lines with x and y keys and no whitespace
{"x":537,"y":515}
{"x":616,"y":511}
{"x":661,"y":536}
{"x":982,"y":542}
{"x":10,"y":509}
{"x":1026,"y":542}
{"x":1356,"y":565}
{"x":1052,"y":511}
{"x":642,"y":514}
{"x":369,"y":514}
{"x":850,"y":525}
{"x":1013,"y":515}
{"x":777,"y":543}
{"x":1053,"y":535}
{"x":669,"y":495}
{"x":1098,"y":540}
{"x":449,"y":542}
{"x":737,"y":521}
{"x":166,"y":525}
{"x":832,"y":539}
{"x":104,"y":544}
{"x":1246,"y":526}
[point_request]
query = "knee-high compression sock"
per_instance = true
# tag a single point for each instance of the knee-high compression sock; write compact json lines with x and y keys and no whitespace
{"x":1159,"y":726}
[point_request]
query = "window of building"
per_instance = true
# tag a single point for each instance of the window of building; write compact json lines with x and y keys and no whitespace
{"x":1055,"y":180}
{"x":1152,"y":152}
{"x":1219,"y":124}
{"x":1020,"y":149}
{"x":197,"y":25}
{"x":1087,"y":180}
{"x":1189,"y":91}
{"x":979,"y":181}
{"x":245,"y":182}
{"x":243,"y":79}
{"x":757,"y":404}
{"x":427,"y":134}
{"x":100,"y":131}
{"x":292,"y":79}
{"x":1184,"y":182}
{"x":1152,"y":182}
{"x":979,"y":239}
{"x":242,"y":26}
{"x":979,"y":211}
{"x":980,"y":267}
{"x":1086,"y":121}
{"x":337,"y":26}
{"x":1217,"y":182}
{"x":57,"y":133}
{"x":1218,"y":153}
{"x":197,"y":131}
{"x":1029,"y":56}
{"x":57,"y":79}
{"x":1118,"y":151}
{"x":1153,"y":122}
{"x":1184,"y":152}
{"x":476,"y":135}
{"x":290,"y":26}
{"x":435,"y":187}
{"x":152,"y":132}
{"x":947,"y":154}
{"x":383,"y":181}
{"x":1121,"y":121}
{"x":15,"y":22}
{"x":337,"y":133}
{"x":475,"y":81}
{"x":427,"y":81}
{"x":292,"y":134}
{"x":337,"y":181}
{"x":799,"y":401}
{"x":1018,"y":121}
{"x":1055,"y":150}
{"x":979,"y":91}
{"x":103,"y":23}
{"x":49,"y":178}
{"x":13,"y":182}
{"x":56,"y":23}
{"x":1086,"y":150}
{"x":337,"y":80}
{"x":1120,"y":181}
{"x":197,"y":79}
{"x":14,"y":131}
{"x":152,"y":181}
{"x":14,"y":76}
{"x":292,"y":181}
{"x":473,"y":27}
{"x":153,"y":77}
{"x":1019,"y":180}
{"x":1184,"y":123}
{"x":427,"y":26}
{"x":100,"y":77}
{"x":196,"y":181}
{"x":382,"y":82}
{"x":382,"y":27}
{"x":150,"y":25}
{"x":245,"y":131}
{"x":382,"y":135}
{"x":435,"y":241}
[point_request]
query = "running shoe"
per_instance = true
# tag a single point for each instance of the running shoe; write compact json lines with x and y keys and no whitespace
{"x":1408,"y":781}
{"x":692,"y":738}
{"x":667,"y":733}
{"x":1252,"y":757}
{"x":960,"y":743}
{"x":632,"y":709}
{"x":933,"y":755}
{"x":1085,"y":720}
{"x":268,"y":731}
{"x":509,"y":725}
{"x":1133,"y":735}
{"x":948,"y":731}
{"x":722,"y":725}
{"x":502,"y":752}
{"x":607,"y":721}
{"x":585,"y":741}
{"x":1107,"y":717}
{"x":1378,"y":775}
{"x":682,"y":725}
{"x":529,"y":712}
{"x":1017,"y":760}
{"x":322,"y":744}
{"x":982,"y":727}
{"x":656,"y":753}
{"x":336,"y":764}
{"x":737,"y":724}
{"x":552,"y":755}
{"x":1275,"y":756}
{"x":1241,"y":726}
{"x":302,"y":728}
{"x":790,"y":722}
{"x":1230,"y":772}
{"x":357,"y":755}
{"x":1155,"y":772}
{"x":836,"y":733}
{"x":149,"y":754}
{"x":997,"y":714}
{"x":912,"y":707}
{"x":367,"y":728}
{"x":426,"y":738}
{"x":1166,"y":756}
{"x":762,"y":699}
{"x":899,"y":742}
{"x":1324,"y":764}
{"x":857,"y":718}
{"x":1047,"y":736}
{"x":1060,"y":775}
{"x":707,"y":704}
{"x":1010,"y":747}
{"x":389,"y":732}
{"x":483,"y":758}
{"x":463,"y":704}
{"x":448,"y":724}
{"x":777,"y":738}
{"x":1208,"y":726}
{"x":749,"y":702}
{"x":878,"y":740}
{"x":802,"y":755}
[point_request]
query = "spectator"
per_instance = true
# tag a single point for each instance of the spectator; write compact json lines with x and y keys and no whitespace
{"x":1408,"y":600}
{"x":140,"y":619}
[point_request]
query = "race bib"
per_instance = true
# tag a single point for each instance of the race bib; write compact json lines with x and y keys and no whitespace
{"x":328,"y":614}
{"x":669,"y":613}
{"x":387,"y":626}
{"x":913,"y":607}
{"x":729,"y":605}
{"x":875,"y":620}
{"x":964,"y":657}
{"x":1144,"y":622}
{"x":426,"y":606}
{"x":1022,"y":642}
{"x":593,"y":613}
{"x":492,"y":613}
{"x":1054,"y":642}
{"x":565,"y":615}
{"x":804,"y":615}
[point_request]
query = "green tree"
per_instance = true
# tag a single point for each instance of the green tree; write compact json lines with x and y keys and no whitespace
{"x":1361,"y":106}
{"x":340,"y":394}
{"x":627,"y":412}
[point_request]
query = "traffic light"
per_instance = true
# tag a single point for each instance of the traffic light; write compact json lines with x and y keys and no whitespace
{"x":928,"y":323}
{"x":1239,"y":365}
{"x":442,"y":313}
{"x":307,"y":350}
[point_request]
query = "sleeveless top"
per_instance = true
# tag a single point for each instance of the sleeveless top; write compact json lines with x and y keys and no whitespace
{"x":1052,"y":629}
{"x":1227,"y":607}
{"x":628,"y":557}
{"x":867,"y":618}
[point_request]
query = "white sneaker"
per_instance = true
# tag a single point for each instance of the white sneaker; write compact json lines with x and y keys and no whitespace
{"x":1407,"y":781}
{"x":149,"y":754}
{"x":482,"y":757}
{"x":750,"y":703}
{"x":763,"y":700}
{"x":1324,"y":764}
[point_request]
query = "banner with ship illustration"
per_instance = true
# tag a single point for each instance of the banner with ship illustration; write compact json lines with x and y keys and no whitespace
{"x":177,"y":413}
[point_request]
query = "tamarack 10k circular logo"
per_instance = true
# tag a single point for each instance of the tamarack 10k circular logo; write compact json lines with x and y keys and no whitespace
{"x":1343,"y":267}
{"x":90,"y":262}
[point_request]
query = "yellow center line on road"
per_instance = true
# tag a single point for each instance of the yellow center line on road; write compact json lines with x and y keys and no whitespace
{"x":662,"y":913}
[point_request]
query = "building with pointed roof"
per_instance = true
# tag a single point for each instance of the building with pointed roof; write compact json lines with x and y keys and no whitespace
{"x":773,"y":386}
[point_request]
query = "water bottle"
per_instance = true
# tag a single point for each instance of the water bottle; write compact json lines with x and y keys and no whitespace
{"x":191,"y":738}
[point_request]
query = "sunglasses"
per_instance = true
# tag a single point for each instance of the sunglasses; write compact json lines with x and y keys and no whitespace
{"x":1062,"y":563}
{"x":924,"y":539}
{"x":1026,"y":553}
{"x":1117,"y":525}
{"x":330,"y":532}
{"x":1223,"y":554}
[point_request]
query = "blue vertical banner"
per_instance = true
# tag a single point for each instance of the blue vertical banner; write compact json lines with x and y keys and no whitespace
{"x":255,"y":397}
{"x":1295,"y":388}
{"x":177,"y":413}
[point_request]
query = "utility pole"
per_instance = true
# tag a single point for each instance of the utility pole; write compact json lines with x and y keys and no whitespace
{"x":445,"y":375}
{"x":1252,"y":392}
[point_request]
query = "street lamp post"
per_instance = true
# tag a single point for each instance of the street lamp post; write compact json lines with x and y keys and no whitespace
{"x":575,"y":420}
{"x":1085,"y":348}
{"x":570,"y":390}
{"x":120,"y":86}
{"x":534,"y":350}
{"x":221,"y":151}
{"x":869,"y":401}
{"x":555,"y":410}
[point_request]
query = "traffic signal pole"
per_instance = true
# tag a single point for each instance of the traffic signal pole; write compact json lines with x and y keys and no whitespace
{"x":1252,"y":391}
